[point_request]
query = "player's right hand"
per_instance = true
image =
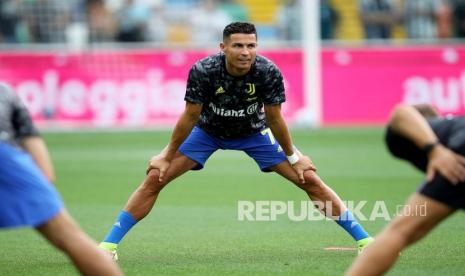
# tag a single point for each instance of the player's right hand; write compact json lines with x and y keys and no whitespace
{"x":446,"y":162}
{"x":158,"y":162}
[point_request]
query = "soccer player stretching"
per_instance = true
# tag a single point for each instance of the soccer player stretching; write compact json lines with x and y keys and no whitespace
{"x":233,"y":101}
{"x":435,"y":146}
{"x":27,"y":197}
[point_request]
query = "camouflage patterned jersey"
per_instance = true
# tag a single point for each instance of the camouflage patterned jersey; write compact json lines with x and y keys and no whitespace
{"x":233,"y":106}
{"x":15,"y":123}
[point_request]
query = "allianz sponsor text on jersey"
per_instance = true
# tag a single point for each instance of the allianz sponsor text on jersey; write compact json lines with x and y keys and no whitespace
{"x":251,"y":109}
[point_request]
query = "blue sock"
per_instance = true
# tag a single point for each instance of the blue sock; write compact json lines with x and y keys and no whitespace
{"x":123,"y":224}
{"x":350,"y":224}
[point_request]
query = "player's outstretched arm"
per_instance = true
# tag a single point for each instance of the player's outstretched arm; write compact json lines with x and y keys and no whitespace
{"x":280,"y":131}
{"x":183,"y":127}
{"x":28,"y":135}
{"x":407,"y":121}
{"x":36,"y":147}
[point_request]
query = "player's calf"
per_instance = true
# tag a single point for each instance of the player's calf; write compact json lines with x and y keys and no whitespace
{"x":329,"y":203}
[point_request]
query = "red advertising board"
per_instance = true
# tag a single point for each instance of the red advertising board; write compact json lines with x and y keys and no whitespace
{"x":146,"y":87}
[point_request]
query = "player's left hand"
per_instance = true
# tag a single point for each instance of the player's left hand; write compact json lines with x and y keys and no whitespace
{"x":304,"y":164}
{"x":159,"y":162}
{"x":447,"y":163}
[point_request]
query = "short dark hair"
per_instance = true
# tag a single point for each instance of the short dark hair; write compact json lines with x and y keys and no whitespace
{"x":239,"y":28}
{"x":427,"y":110}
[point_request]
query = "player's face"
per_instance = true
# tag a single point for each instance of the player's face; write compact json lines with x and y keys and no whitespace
{"x":240,"y":51}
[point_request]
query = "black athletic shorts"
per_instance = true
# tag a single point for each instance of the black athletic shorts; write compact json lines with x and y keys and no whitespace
{"x":443,"y":191}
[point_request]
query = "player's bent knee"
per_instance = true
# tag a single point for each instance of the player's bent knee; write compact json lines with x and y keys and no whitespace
{"x":311,"y":178}
{"x":152,"y":181}
{"x":312,"y":181}
{"x":153,"y":175}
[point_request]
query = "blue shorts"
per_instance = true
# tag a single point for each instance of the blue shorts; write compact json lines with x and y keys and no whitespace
{"x":27,"y":198}
{"x":261,"y":146}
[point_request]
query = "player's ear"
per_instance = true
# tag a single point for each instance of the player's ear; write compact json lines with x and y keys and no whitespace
{"x":222,"y":45}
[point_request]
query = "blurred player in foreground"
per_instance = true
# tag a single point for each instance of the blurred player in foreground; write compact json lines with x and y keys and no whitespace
{"x":27,"y":197}
{"x":435,"y":146}
{"x":233,"y":101}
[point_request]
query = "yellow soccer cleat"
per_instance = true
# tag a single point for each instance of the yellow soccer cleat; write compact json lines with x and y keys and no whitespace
{"x":110,"y":248}
{"x":361,"y":244}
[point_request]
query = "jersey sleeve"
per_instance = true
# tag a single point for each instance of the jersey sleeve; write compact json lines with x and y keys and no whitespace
{"x":197,"y":85}
{"x":401,"y":147}
{"x":273,"y":92}
{"x":21,"y":120}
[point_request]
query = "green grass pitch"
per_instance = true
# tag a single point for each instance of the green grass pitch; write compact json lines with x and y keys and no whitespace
{"x":194,"y":230}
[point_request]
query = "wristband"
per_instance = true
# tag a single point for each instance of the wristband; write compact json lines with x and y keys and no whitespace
{"x":429,"y":147}
{"x":294,"y":158}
